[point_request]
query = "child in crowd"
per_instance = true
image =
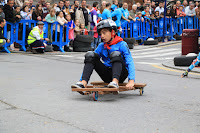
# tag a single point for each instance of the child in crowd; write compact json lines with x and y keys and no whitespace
{"x":139,"y":17}
{"x":26,"y":15}
{"x":84,"y":31}
{"x":2,"y":15}
{"x":71,"y":26}
{"x":168,"y":13}
{"x":96,"y":39}
{"x":157,"y":16}
{"x":50,"y":18}
{"x":77,"y":28}
{"x":17,"y":13}
{"x":61,"y":20}
{"x":180,"y":12}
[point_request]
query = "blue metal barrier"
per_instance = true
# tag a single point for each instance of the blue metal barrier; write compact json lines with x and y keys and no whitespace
{"x":19,"y":33}
{"x":143,"y":30}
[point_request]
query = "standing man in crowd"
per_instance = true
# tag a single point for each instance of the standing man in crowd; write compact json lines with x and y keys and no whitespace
{"x":134,"y":11}
{"x":60,"y":6}
{"x":160,"y":8}
{"x":106,"y":12}
{"x":76,"y":4}
{"x":82,"y":14}
{"x":35,"y":38}
{"x":118,"y":14}
{"x":190,"y":11}
{"x":67,"y":7}
{"x":125,"y":14}
{"x":3,"y":40}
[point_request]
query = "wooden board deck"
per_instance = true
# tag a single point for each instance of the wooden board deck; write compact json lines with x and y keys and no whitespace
{"x":136,"y":85}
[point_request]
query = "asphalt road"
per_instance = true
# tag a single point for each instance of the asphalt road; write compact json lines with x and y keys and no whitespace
{"x":35,"y":96}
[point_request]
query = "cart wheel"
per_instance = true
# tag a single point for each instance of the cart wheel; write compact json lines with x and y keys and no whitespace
{"x":141,"y":91}
{"x":95,"y":96}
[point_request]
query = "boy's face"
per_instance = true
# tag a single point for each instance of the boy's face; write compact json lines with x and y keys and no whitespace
{"x":140,"y":15}
{"x":77,"y":23}
{"x":17,"y":9}
{"x":68,"y":17}
{"x":105,"y":35}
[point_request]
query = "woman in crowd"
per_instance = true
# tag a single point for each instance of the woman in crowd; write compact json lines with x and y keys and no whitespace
{"x":50,"y":18}
{"x":26,"y":15}
{"x":38,"y":13}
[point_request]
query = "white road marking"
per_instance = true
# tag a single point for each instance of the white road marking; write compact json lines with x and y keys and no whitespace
{"x":147,"y":63}
{"x":157,"y":55}
{"x":157,"y":51}
{"x":65,"y":56}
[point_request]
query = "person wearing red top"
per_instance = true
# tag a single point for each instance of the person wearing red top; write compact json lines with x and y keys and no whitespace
{"x":180,"y":12}
{"x":84,"y":31}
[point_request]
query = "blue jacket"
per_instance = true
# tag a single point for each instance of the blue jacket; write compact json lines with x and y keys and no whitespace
{"x":125,"y":53}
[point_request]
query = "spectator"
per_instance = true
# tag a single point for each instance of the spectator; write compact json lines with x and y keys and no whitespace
{"x":2,"y":15}
{"x":26,"y":15}
{"x":47,"y":9}
{"x":96,"y":39}
{"x":196,"y":4}
{"x":157,"y":16}
{"x":17,"y":14}
{"x":71,"y":26}
{"x":180,"y":12}
{"x":178,"y":3}
{"x":106,"y":12}
{"x":125,"y":14}
{"x":168,"y":13}
{"x":44,"y":8}
{"x":31,"y":5}
{"x":94,"y":15}
{"x":3,"y":40}
{"x":38,"y":13}
{"x":153,"y":5}
{"x":117,"y":14}
{"x":173,"y":11}
{"x":103,"y":6}
{"x":185,"y":4}
{"x":77,"y":28}
{"x":83,"y":30}
{"x":36,"y":37}
{"x":134,"y":11}
{"x":54,"y":6}
{"x":9,"y":16}
{"x":160,"y":8}
{"x":190,"y":11}
{"x":60,"y":6}
{"x":139,"y":6}
{"x":61,"y":20}
{"x":82,"y":13}
{"x":76,"y":4}
{"x":114,"y":5}
{"x":67,"y":7}
{"x":198,"y":12}
{"x":26,"y":3}
{"x":50,"y":18}
{"x":72,"y":12}
{"x":139,"y":17}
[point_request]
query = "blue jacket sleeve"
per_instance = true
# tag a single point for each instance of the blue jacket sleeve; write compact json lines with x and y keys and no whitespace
{"x":99,"y":49}
{"x":128,"y":60}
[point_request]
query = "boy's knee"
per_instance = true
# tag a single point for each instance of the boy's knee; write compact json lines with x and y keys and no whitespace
{"x":90,"y":57}
{"x":115,"y":57}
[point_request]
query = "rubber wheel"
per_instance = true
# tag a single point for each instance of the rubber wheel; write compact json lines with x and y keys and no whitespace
{"x":183,"y":60}
{"x":84,"y":38}
{"x":131,"y":46}
{"x":129,"y":40}
{"x":95,"y":96}
{"x":141,"y":92}
{"x":153,"y":42}
{"x":178,"y":37}
{"x":81,"y":46}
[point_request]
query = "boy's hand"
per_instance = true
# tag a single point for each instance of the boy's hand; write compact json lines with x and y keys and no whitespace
{"x":18,"y":16}
{"x":47,"y":39}
{"x":130,"y":84}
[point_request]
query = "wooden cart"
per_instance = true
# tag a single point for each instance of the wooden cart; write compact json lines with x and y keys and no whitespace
{"x":100,"y":88}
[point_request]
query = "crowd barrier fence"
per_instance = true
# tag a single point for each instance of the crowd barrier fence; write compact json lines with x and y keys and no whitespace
{"x":138,"y":30}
